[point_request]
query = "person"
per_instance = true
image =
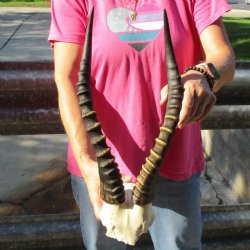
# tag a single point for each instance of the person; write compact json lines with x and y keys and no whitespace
{"x":129,"y":89}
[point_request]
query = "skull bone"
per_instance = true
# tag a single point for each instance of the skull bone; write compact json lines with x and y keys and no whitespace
{"x":126,"y":222}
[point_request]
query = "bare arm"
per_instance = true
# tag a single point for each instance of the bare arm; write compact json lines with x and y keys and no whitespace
{"x":217,"y":49}
{"x":198,"y":99}
{"x":67,"y":57}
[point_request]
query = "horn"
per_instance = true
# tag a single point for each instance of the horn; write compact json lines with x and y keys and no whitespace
{"x":143,"y":192}
{"x":111,"y":185}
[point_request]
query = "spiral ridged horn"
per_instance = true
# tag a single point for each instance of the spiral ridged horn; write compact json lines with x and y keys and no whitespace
{"x":144,"y":188}
{"x":111,"y":185}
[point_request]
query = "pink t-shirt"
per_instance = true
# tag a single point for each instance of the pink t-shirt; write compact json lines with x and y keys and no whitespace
{"x":129,"y":71}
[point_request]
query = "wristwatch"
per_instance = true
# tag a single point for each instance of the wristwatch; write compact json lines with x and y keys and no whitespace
{"x":211,"y":70}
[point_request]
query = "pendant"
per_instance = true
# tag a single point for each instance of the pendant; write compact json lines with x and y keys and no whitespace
{"x":133,"y":15}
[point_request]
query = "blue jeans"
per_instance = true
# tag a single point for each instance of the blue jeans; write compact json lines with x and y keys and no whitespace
{"x":177,"y":225}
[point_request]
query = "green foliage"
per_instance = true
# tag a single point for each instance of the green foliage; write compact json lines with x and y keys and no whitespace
{"x":238,"y":30}
{"x":24,"y":3}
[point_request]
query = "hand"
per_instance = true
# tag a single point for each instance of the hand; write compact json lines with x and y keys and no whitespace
{"x":198,"y":99}
{"x":92,"y":180}
{"x":93,"y":184}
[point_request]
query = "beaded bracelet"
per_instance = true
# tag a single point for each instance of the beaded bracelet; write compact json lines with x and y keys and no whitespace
{"x":210,"y":80}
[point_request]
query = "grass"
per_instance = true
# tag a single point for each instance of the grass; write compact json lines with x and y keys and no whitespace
{"x":238,"y":30}
{"x":27,"y":3}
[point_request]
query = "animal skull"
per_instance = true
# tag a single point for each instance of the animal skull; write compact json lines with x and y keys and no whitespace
{"x":126,"y":222}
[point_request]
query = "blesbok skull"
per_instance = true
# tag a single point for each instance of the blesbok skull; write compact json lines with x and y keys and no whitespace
{"x":128,"y":213}
{"x":127,"y":221}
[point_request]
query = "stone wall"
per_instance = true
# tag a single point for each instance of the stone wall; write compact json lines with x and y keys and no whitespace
{"x":230,"y":150}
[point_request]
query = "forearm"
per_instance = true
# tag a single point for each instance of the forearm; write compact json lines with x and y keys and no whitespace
{"x":75,"y":128}
{"x":198,"y":99}
{"x":74,"y":125}
{"x":67,"y":63}
{"x":79,"y":139}
{"x":224,"y":63}
{"x":218,"y":51}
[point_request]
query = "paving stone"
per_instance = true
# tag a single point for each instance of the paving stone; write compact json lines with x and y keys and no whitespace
{"x":27,"y":50}
{"x":208,"y":194}
{"x":3,"y":41}
{"x":223,"y":190}
{"x":57,"y":198}
{"x":8,"y":15}
{"x":38,"y":29}
{"x":29,"y":164}
{"x":9,"y":209}
{"x":7,"y":28}
{"x":230,"y":151}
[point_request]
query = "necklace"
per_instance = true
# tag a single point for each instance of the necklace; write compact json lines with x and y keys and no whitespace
{"x":131,"y":5}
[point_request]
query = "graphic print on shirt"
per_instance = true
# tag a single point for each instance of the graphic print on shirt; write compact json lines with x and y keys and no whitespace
{"x":139,"y":33}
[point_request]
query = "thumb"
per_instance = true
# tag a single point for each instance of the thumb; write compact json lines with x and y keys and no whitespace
{"x":164,"y":94}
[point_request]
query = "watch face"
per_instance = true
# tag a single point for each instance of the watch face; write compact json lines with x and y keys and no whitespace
{"x":213,"y":71}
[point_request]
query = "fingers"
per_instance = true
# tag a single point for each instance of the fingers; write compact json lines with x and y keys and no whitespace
{"x":94,"y":194}
{"x":202,"y":108}
{"x":198,"y":100}
{"x":187,"y":106}
{"x":93,"y":185}
{"x":164,"y":94}
{"x":207,"y":110}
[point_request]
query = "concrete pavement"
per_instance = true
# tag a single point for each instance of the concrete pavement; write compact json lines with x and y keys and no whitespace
{"x":24,"y":32}
{"x":32,"y":167}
